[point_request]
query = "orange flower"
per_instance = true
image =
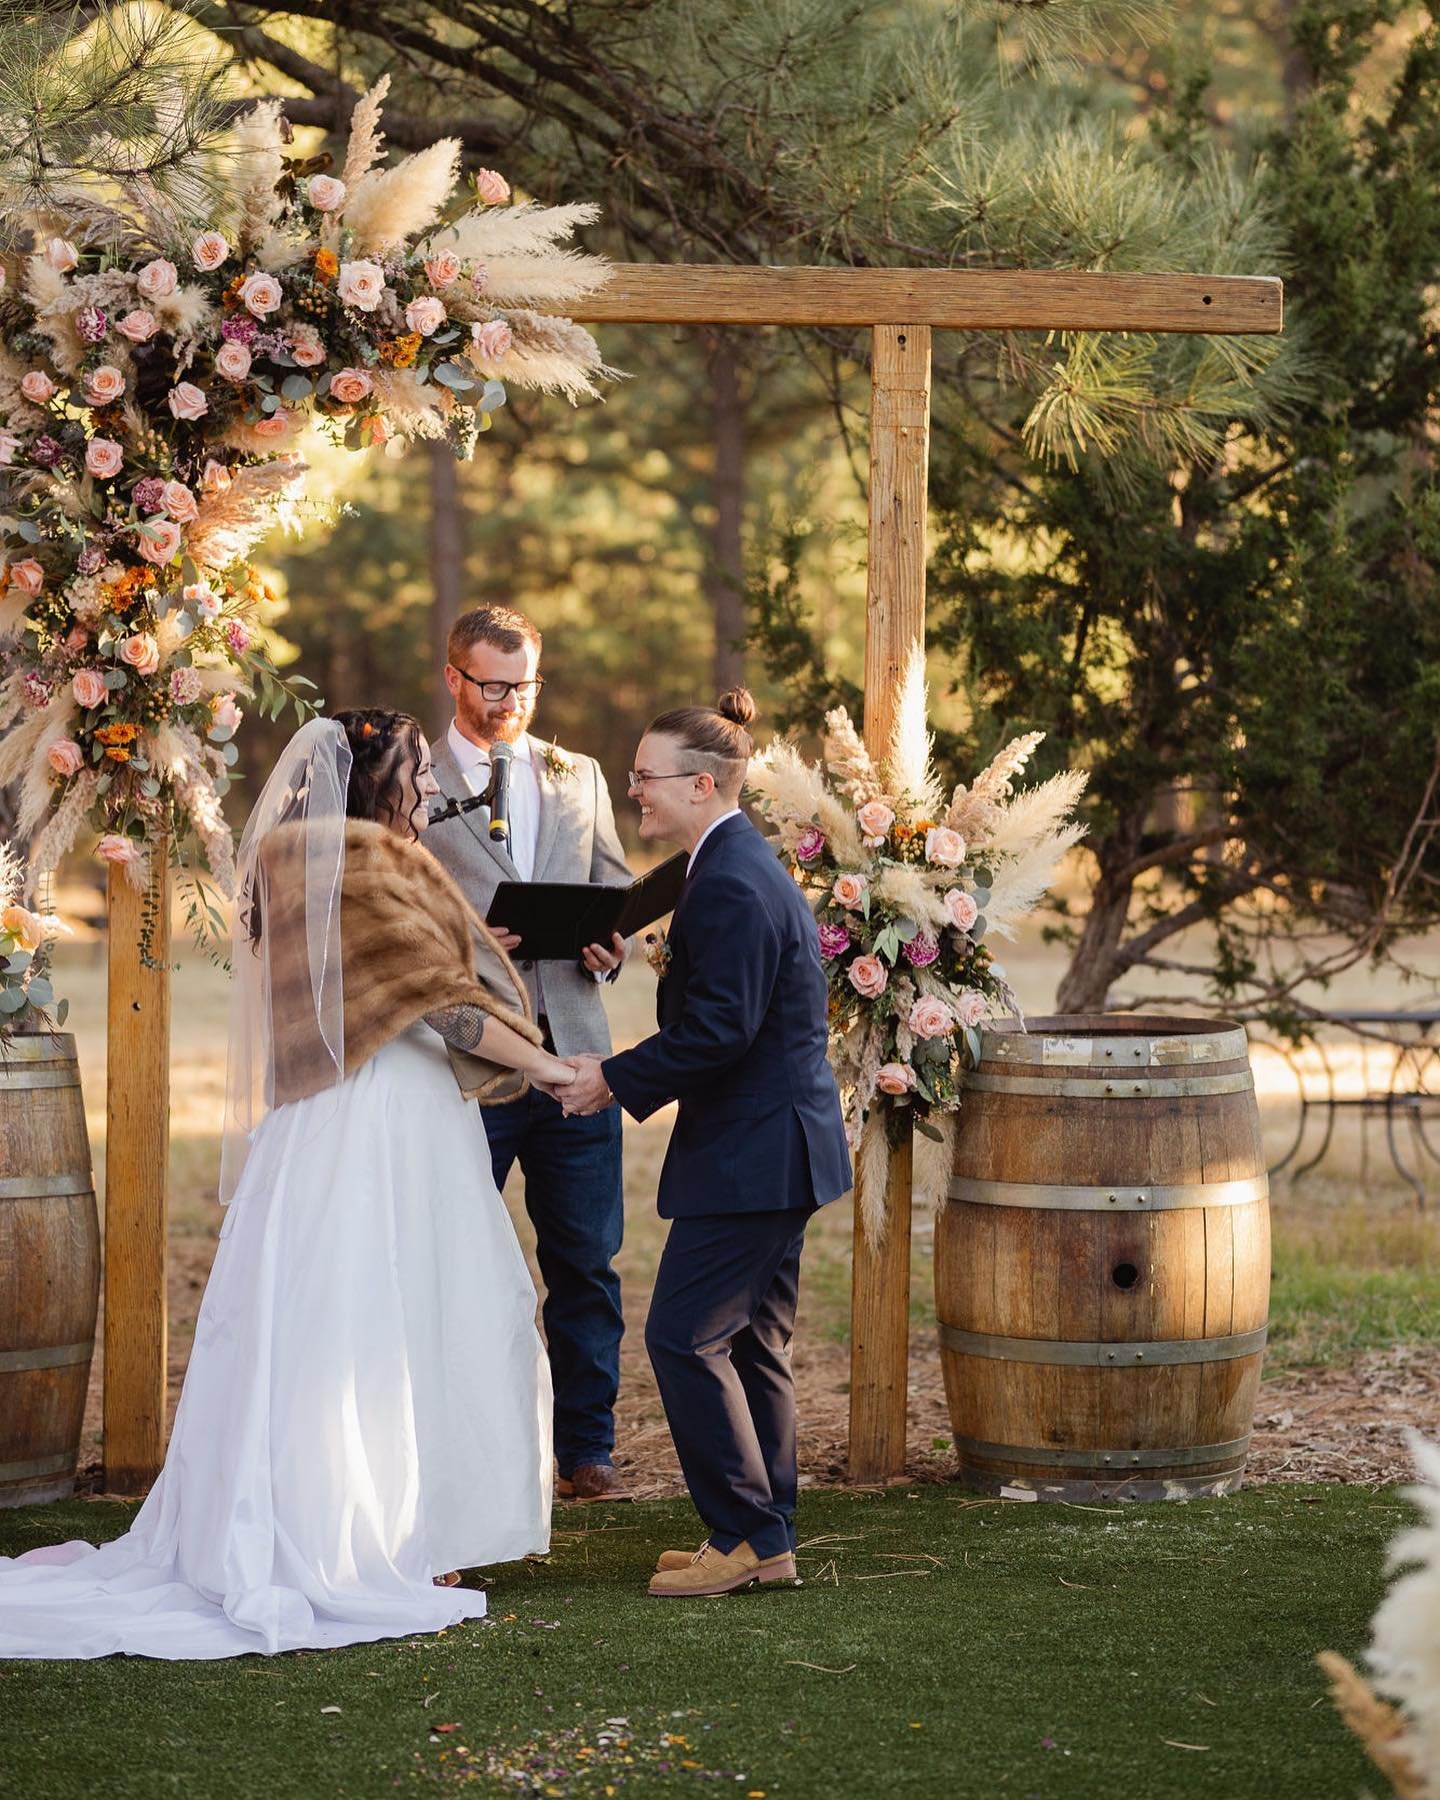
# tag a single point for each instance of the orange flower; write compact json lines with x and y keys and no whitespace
{"x":327,"y":265}
{"x":117,"y":739}
{"x":407,"y":348}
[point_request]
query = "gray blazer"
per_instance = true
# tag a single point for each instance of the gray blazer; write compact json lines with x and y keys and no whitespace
{"x":576,"y":842}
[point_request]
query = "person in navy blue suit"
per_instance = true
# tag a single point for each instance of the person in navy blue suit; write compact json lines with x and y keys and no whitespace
{"x":758,"y":1146}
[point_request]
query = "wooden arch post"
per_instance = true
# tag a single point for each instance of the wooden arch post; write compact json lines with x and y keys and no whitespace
{"x":899,"y":307}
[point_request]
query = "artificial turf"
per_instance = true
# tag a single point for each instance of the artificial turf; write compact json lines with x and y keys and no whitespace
{"x":940,"y":1646}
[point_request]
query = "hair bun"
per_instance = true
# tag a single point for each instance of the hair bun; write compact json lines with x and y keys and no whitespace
{"x":737,"y":705}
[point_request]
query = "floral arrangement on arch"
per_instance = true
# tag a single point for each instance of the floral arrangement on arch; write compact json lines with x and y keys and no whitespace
{"x":155,"y":371}
{"x":27,"y":998}
{"x":906,"y":887}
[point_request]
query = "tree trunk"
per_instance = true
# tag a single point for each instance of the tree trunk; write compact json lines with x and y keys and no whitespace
{"x":447,"y":574}
{"x":1094,"y":965}
{"x":724,"y":580}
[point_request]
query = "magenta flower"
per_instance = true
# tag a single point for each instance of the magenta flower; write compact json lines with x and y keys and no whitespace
{"x":834,"y":941}
{"x":810,"y":845}
{"x":90,"y":324}
{"x":240,"y":328}
{"x":149,"y":493}
{"x":90,"y":560}
{"x":921,"y":951}
{"x":46,"y":451}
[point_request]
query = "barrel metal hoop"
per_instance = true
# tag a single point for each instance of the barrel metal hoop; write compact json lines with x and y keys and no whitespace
{"x":42,"y":1465}
{"x":39,"y":1046}
{"x":1124,"y":1086}
{"x":1046,"y":1456}
{"x":1084,"y":1355}
{"x":1114,"y":1052}
{"x":47,"y":1356}
{"x":10,"y":1079}
{"x":47,"y":1187}
{"x":1109,"y":1199}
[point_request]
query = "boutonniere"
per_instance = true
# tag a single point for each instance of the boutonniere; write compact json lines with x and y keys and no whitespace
{"x":557,"y":764}
{"x":658,"y":953}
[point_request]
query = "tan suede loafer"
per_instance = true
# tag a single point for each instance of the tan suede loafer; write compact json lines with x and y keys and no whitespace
{"x":679,"y":1559}
{"x":711,"y":1571}
{"x":591,"y":1482}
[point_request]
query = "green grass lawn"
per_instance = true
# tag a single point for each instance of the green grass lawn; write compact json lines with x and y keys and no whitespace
{"x":940,"y":1647}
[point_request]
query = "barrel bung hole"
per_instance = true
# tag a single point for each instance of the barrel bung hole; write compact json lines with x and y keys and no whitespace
{"x":1124,"y":1275}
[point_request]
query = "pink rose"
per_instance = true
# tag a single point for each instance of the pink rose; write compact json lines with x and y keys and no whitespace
{"x":971,"y":1007}
{"x":158,"y":540}
{"x":157,"y":279}
{"x":809,"y":844}
{"x":61,"y":255}
{"x":37,"y":386}
{"x":491,"y":187}
{"x":187,"y":401}
{"x":113,"y":848}
{"x":874,"y":819}
{"x":944,"y":846}
{"x":834,"y":941}
{"x":868,"y":976}
{"x":895,"y":1078}
{"x":65,"y":757}
{"x":961,"y":907}
{"x":141,"y":652}
{"x":360,"y":285}
{"x":260,"y":294}
{"x":104,"y":385}
{"x":425,"y":314}
{"x":931,"y":1017}
{"x":273,"y":425}
{"x":225,"y":713}
{"x":215,"y":477}
{"x":139,"y":326}
{"x":76,"y":638}
{"x":849,"y":890}
{"x":27,"y":575}
{"x":9,"y":444}
{"x":88,"y":687}
{"x":180,"y":502}
{"x":442,"y":268}
{"x":209,"y":250}
{"x":349,"y":385}
{"x":325,"y":193}
{"x":306,"y":347}
{"x":103,"y":457}
{"x":203,"y":598}
{"x":232,"y":360}
{"x":186,"y":686}
{"x":492,"y":340}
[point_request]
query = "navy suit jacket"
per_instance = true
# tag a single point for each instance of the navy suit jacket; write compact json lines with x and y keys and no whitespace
{"x":741,"y":1044}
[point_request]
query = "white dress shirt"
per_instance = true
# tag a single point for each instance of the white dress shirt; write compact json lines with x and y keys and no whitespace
{"x":734,"y":813}
{"x":474,"y":765}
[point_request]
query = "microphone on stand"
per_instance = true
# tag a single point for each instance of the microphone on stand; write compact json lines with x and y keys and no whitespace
{"x":498,"y":793}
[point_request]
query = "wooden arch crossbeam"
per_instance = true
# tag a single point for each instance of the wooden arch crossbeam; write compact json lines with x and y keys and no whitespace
{"x":900,"y":307}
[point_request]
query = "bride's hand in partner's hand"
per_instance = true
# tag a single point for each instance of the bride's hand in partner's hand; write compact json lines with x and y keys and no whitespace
{"x":554,"y":1078}
{"x":589,"y":1092}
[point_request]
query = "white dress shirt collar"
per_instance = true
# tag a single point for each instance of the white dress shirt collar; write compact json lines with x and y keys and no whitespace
{"x":734,"y":813}
{"x":469,"y":755}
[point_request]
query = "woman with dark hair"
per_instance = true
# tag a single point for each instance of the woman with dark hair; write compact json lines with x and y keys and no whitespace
{"x":367,"y":1404}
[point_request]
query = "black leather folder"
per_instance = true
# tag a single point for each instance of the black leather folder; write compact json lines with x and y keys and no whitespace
{"x":555,"y":920}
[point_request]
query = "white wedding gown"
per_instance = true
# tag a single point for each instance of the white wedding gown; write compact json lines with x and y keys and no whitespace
{"x":367,"y":1402}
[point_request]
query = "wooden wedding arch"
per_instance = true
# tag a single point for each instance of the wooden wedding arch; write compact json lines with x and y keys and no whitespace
{"x":900,"y":308}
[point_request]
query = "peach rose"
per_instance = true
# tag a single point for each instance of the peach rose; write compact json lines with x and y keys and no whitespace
{"x":260,"y":294}
{"x":361,"y":284}
{"x":492,"y":340}
{"x":868,"y":976}
{"x":103,"y":457}
{"x":61,"y":255}
{"x":971,"y":1008}
{"x":874,"y":819}
{"x":225,"y":713}
{"x":104,"y":385}
{"x":232,"y":360}
{"x":27,"y":575}
{"x":141,"y":652}
{"x":849,"y":890}
{"x":209,"y":250}
{"x":961,"y":907}
{"x":180,"y":502}
{"x":895,"y":1078}
{"x":158,"y":279}
{"x":491,"y":187}
{"x":139,"y":326}
{"x":65,"y":757}
{"x":159,"y":540}
{"x":113,"y":848}
{"x":203,"y":598}
{"x":26,"y":927}
{"x":306,"y":347}
{"x":944,"y":846}
{"x":931,"y":1017}
{"x":88,"y":687}
{"x":37,"y":386}
{"x":326,"y":193}
{"x":187,"y":401}
{"x":425,"y":315}
{"x":349,"y":385}
{"x":442,"y":268}
{"x":273,"y":425}
{"x":215,"y":477}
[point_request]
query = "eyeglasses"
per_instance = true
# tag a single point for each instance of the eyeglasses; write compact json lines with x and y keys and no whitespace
{"x":499,"y":690}
{"x":638,"y":777}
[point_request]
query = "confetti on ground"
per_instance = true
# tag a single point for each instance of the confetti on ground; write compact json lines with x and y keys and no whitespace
{"x":580,"y":1761}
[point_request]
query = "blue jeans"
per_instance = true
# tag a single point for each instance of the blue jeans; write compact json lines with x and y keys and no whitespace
{"x":574,"y":1195}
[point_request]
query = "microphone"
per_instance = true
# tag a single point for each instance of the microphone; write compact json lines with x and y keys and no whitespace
{"x":498,"y":793}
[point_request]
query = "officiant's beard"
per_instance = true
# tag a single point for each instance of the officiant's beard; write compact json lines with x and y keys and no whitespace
{"x":486,"y":724}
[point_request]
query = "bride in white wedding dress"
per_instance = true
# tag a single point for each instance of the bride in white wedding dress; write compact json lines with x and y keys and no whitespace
{"x":367,"y":1404}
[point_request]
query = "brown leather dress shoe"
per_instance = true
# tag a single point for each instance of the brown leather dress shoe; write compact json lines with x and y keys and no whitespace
{"x":714,"y":1571}
{"x":590,"y":1482}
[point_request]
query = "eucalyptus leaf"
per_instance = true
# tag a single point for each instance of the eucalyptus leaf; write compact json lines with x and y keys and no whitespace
{"x":271,"y":403}
{"x":296,"y":387}
{"x":150,"y":787}
{"x":12,"y":1000}
{"x":220,"y":734}
{"x":28,"y":530}
{"x":926,"y":1129}
{"x":116,"y":679}
{"x":450,"y":376}
{"x":62,"y":1012}
{"x":19,"y":961}
{"x":40,"y":992}
{"x":231,"y":753}
{"x":495,"y":396}
{"x":983,"y":876}
{"x":906,"y":930}
{"x":978,"y":929}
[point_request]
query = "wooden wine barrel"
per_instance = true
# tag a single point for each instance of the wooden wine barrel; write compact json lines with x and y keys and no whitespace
{"x":49,"y":1267}
{"x":1102,"y":1267}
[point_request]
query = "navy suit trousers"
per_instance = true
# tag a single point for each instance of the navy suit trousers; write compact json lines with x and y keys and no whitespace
{"x":721,"y":1320}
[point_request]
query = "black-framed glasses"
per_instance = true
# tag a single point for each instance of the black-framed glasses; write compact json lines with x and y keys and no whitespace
{"x":637,"y":778}
{"x":498,"y":690}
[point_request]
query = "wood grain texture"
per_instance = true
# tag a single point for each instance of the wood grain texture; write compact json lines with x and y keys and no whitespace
{"x":136,"y":1185}
{"x":961,"y":299}
{"x":880,"y":1333}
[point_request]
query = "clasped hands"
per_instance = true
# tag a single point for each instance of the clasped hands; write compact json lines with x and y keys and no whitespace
{"x":587,"y":1092}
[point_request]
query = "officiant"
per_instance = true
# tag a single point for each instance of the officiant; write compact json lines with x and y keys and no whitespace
{"x":561,"y":828}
